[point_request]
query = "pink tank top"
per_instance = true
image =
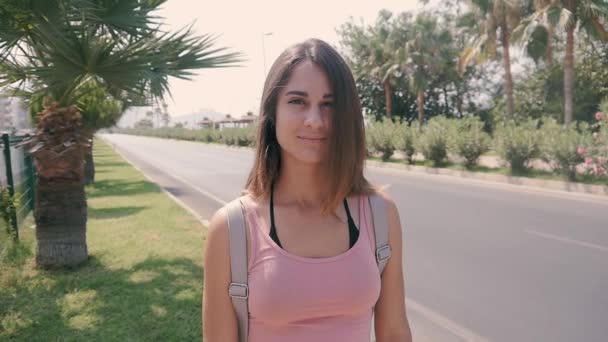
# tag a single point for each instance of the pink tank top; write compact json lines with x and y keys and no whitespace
{"x":297,"y":299}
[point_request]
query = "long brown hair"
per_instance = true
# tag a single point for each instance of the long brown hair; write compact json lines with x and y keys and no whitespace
{"x":347,"y":139}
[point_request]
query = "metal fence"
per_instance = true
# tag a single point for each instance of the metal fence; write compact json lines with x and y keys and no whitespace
{"x":17,"y":173}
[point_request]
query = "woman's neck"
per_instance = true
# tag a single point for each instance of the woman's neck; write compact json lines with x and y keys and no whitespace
{"x":300,"y":184}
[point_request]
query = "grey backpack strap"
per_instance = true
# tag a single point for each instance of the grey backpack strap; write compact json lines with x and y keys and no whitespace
{"x":239,"y":289}
{"x":379,"y":215}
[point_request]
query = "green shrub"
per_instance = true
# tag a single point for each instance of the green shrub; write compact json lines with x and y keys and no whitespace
{"x":233,"y":136}
{"x":517,"y":144}
{"x":564,"y":147}
{"x":208,"y":135}
{"x":249,"y":134}
{"x":227,"y":136}
{"x":8,"y":208}
{"x":469,"y":140}
{"x":381,"y":137}
{"x":434,"y":140}
{"x":596,"y":159}
{"x":603,"y":107}
{"x":406,"y":139}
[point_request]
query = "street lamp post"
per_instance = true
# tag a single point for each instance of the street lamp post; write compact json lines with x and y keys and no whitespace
{"x":264,"y":50}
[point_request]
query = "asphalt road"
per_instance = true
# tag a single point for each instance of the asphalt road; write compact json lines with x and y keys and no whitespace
{"x":482,"y":262}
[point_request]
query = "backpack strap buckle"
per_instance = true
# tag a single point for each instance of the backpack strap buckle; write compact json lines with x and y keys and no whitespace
{"x":383,"y":253}
{"x":237,"y":290}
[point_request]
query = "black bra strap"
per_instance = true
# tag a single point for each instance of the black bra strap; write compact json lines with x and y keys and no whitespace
{"x":353,"y":232}
{"x":273,"y":230}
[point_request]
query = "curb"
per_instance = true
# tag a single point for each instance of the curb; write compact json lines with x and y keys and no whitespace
{"x":599,"y":190}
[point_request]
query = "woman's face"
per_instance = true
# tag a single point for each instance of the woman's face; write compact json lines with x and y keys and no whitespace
{"x":303,"y":116}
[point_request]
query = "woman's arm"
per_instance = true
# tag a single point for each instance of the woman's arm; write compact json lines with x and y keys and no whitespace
{"x":390,"y":322}
{"x":219,"y":318}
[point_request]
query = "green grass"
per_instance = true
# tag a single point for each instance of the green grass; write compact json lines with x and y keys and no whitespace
{"x":143,"y":281}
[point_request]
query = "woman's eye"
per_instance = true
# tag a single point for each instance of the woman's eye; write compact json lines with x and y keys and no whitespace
{"x":328,"y":104}
{"x":296,"y":101}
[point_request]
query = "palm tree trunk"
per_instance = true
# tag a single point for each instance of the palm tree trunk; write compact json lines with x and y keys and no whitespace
{"x":89,"y":166}
{"x":506,"y":59}
{"x":61,"y":209}
{"x":420,"y":102}
{"x":388,"y":93}
{"x":445,"y":100}
{"x":549,"y":51}
{"x":61,"y":216}
{"x":569,"y":75}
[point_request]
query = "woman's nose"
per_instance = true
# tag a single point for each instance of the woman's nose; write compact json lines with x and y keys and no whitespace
{"x":314,"y":117}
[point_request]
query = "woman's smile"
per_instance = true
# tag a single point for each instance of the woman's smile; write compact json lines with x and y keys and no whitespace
{"x":312,"y":140}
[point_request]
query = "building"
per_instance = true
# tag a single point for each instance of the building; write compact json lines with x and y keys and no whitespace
{"x":245,"y":121}
{"x":13,"y":114}
{"x":200,"y":119}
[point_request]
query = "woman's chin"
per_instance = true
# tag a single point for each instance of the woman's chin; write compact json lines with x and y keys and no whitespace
{"x":308,"y":158}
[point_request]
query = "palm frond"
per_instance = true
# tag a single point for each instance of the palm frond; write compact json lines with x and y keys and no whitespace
{"x":68,"y":58}
{"x":390,"y":71}
{"x":593,"y":8}
{"x":131,"y":17}
{"x":566,"y":18}
{"x":595,"y":29}
{"x":523,"y":32}
{"x":12,"y":72}
{"x":475,"y":51}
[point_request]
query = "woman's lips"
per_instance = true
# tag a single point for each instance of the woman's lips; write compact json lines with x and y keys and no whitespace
{"x":312,"y":140}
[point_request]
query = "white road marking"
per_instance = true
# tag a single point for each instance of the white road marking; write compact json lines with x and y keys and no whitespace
{"x":568,"y":240}
{"x":444,"y":322}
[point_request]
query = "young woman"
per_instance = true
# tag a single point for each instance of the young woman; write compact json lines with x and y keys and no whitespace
{"x":311,"y":266}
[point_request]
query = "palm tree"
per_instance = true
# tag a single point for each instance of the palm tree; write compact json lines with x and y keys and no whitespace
{"x":55,"y":49}
{"x":571,"y":16}
{"x":97,"y":110}
{"x":536,"y":31}
{"x":426,"y":54}
{"x":377,"y":52}
{"x":489,"y":19}
{"x":382,"y":54}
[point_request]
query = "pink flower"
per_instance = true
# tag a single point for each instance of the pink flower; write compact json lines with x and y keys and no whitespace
{"x":580,"y":151}
{"x":599,"y":116}
{"x":600,"y":171}
{"x":588,"y":161}
{"x":601,"y":160}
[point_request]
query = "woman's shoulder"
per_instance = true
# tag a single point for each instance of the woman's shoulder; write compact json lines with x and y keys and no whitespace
{"x":219,"y":220}
{"x":382,"y":192}
{"x":218,"y":226}
{"x":217,"y":240}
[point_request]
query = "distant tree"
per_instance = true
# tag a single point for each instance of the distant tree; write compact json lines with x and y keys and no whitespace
{"x":492,"y":22}
{"x":574,"y":17}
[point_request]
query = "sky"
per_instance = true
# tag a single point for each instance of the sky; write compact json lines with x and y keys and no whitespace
{"x":241,"y":26}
